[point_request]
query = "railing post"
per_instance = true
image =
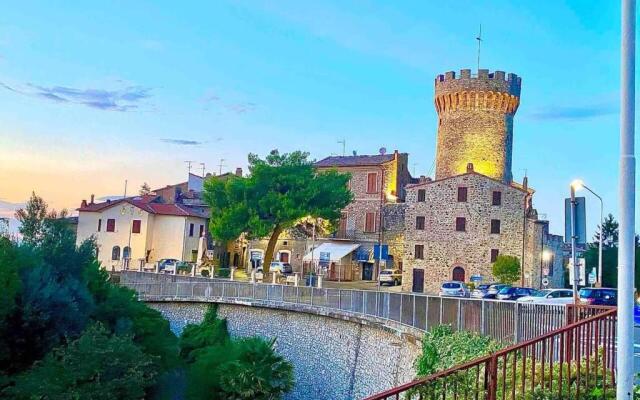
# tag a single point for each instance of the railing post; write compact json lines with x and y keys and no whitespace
{"x":426,"y":313}
{"x":482,"y":307}
{"x":516,"y":323}
{"x":223,"y":289}
{"x":351,"y":292}
{"x":375,"y":312}
{"x":297,"y":294}
{"x":401,"y":308}
{"x":459,"y":314}
{"x":441,"y":309}
{"x":413,"y":321}
{"x":388,"y":296}
{"x":311,"y":296}
{"x":339,"y":299}
{"x":493,"y":378}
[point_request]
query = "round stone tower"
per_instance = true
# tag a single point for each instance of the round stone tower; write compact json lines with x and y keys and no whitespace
{"x":475,"y":122}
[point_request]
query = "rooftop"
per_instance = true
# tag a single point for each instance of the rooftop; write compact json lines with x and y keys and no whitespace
{"x":149,"y":203}
{"x":354,"y":161}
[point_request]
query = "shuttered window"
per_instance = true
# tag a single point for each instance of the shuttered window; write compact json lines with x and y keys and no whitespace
{"x":370,"y":222}
{"x":495,"y":226}
{"x":462,"y":194}
{"x":496,"y":198}
{"x":494,"y":255}
{"x":420,"y":223}
{"x":461,"y":224}
{"x":136,"y":225}
{"x":422,"y":195}
{"x":111,"y":225}
{"x":418,"y":253}
{"x":372,"y":182}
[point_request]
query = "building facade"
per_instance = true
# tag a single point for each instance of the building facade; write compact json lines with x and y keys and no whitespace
{"x":139,"y":231}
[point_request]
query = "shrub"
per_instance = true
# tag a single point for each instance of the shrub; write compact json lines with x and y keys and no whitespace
{"x":506,"y":269}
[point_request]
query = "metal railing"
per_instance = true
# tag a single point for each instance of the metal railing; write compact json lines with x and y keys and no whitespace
{"x":576,"y":361}
{"x":507,"y":322}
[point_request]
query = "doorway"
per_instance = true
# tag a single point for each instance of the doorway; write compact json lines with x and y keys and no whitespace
{"x":458,"y":274}
{"x":367,"y":271}
{"x":418,"y":281}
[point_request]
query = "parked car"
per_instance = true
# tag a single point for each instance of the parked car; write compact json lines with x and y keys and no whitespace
{"x":494,"y":289}
{"x":279,"y":266}
{"x":480,"y":291}
{"x":549,"y":296}
{"x":391,"y":276}
{"x":598,"y":296}
{"x":514,"y":293}
{"x":167,"y":265}
{"x":454,"y":289}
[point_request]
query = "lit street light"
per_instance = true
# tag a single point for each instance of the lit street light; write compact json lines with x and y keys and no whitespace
{"x":577,"y":185}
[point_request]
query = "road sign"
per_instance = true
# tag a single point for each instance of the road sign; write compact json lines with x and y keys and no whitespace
{"x":325,"y":257}
{"x":592,"y":277}
{"x":476,"y":278}
{"x":377,"y":254}
{"x":545,"y":282}
{"x":579,"y":218}
{"x":581,"y":272}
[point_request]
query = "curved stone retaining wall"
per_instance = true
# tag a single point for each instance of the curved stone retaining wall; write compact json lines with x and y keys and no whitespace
{"x":333,"y":358}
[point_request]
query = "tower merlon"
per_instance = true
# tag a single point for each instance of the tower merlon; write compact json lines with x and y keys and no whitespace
{"x":482,"y":80}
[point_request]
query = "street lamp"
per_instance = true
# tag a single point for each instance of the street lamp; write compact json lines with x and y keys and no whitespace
{"x":546,"y":258}
{"x":577,"y":185}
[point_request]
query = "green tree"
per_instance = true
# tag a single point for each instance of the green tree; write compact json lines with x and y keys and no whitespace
{"x":32,"y":218}
{"x":609,"y":233}
{"x":211,"y":331}
{"x":506,"y":269}
{"x":279,"y":191}
{"x":98,"y":365}
{"x":145,"y":189}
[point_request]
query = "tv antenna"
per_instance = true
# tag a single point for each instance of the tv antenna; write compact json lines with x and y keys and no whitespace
{"x":479,"y":39}
{"x":222,"y":160}
{"x":202,"y":165}
{"x":344,"y":145}
{"x":188,"y":162}
{"x":414,"y":169}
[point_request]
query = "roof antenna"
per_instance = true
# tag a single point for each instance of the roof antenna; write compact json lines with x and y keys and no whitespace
{"x":344,"y":145}
{"x":202,"y":164}
{"x":189,"y":165}
{"x":479,"y":39}
{"x":222,"y":160}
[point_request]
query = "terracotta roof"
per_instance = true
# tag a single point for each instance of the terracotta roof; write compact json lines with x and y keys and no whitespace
{"x":514,"y":185}
{"x":150,"y":204}
{"x":354,"y":161}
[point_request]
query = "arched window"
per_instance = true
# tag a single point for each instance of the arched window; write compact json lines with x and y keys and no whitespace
{"x":126,"y":252}
{"x":115,"y":253}
{"x":458,"y":274}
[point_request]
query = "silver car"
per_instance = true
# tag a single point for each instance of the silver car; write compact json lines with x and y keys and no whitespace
{"x":454,"y":289}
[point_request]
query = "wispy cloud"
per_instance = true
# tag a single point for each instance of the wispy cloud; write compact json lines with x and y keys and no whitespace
{"x":128,"y":98}
{"x":212,"y":99}
{"x":183,"y":142}
{"x":573,"y":113}
{"x":8,"y":209}
{"x":240,"y":108}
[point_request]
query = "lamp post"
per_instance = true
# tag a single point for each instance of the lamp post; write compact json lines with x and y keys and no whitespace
{"x":626,"y":187}
{"x":578,"y":184}
{"x":574,"y":258}
{"x":546,"y":257}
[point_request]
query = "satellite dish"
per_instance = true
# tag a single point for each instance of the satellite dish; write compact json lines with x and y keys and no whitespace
{"x":355,"y":153}
{"x":383,"y":150}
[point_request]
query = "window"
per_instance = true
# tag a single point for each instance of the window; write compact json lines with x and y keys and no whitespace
{"x":191,"y":226}
{"x":420,"y":223}
{"x":370,"y":222}
{"x":494,"y":255}
{"x":422,"y":195}
{"x":136,"y":225}
{"x":495,"y":226}
{"x":111,"y":227}
{"x":115,"y":253}
{"x":372,"y":182}
{"x":462,"y":194}
{"x":99,"y":224}
{"x":496,"y":198}
{"x":126,"y":252}
{"x":461,"y":224}
{"x":418,"y":254}
{"x":201,"y":232}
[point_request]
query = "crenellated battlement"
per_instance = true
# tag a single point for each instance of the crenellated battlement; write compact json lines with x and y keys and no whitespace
{"x":485,"y":81}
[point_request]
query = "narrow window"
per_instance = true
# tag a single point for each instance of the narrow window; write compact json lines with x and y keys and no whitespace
{"x":420,"y":223}
{"x":461,"y":224}
{"x":370,"y":222}
{"x":419,"y":252}
{"x":126,"y":252}
{"x":136,"y":225}
{"x":201,"y":232}
{"x":422,"y":195}
{"x":372,"y":182}
{"x":115,"y":253}
{"x":495,"y":226}
{"x":494,"y":255}
{"x":191,"y":227}
{"x":99,"y":224}
{"x":342,"y":229}
{"x":111,"y":227}
{"x":496,"y":198}
{"x":462,"y":194}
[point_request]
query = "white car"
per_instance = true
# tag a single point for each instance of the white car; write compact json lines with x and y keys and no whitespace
{"x":549,"y":296}
{"x":278,"y":266}
{"x":391,"y":276}
{"x":454,"y":289}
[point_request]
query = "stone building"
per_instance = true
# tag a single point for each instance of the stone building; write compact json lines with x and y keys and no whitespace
{"x":457,"y":224}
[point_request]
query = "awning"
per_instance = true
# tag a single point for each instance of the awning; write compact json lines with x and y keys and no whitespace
{"x":336,"y":251}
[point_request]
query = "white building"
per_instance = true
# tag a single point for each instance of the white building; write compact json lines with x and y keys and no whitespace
{"x":142,"y":229}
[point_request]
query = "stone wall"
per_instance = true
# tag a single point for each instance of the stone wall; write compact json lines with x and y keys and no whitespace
{"x":332,"y":358}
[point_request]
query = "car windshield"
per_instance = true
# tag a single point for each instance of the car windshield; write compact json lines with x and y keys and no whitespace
{"x":587,"y":293}
{"x":540,"y":293}
{"x":275,"y":264}
{"x":505,"y":290}
{"x":483,"y":287}
{"x":450,"y":285}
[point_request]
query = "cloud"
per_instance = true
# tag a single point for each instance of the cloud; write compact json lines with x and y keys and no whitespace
{"x":182,"y":142}
{"x":236,"y":108}
{"x":8,"y":209}
{"x":240,"y":108}
{"x":573,"y":113}
{"x":124,"y":99}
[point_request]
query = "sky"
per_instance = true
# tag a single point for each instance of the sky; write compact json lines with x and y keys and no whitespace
{"x":91,"y":96}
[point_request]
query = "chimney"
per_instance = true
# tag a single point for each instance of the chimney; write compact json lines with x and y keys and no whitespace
{"x":92,"y":198}
{"x":525,"y":183}
{"x":469,"y":167}
{"x":83,"y":204}
{"x":422,"y":179}
{"x":239,"y":171}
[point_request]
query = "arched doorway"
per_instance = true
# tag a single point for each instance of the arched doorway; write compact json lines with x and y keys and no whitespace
{"x":458,"y":274}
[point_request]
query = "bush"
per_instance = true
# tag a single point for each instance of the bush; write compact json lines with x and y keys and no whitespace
{"x":506,"y":269}
{"x":204,"y":273}
{"x":223,"y":273}
{"x":210,"y":332}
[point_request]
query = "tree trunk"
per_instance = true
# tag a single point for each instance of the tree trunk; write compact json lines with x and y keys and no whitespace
{"x":271,"y":246}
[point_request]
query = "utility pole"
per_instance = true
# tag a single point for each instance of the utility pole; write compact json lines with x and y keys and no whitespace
{"x":222,"y":160}
{"x":574,"y":256}
{"x":344,"y":146}
{"x":203,"y":168}
{"x":189,"y":162}
{"x":626,"y":249}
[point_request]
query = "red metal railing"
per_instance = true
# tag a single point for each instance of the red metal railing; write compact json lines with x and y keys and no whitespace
{"x":570,"y":362}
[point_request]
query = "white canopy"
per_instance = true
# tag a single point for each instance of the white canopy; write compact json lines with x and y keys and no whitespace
{"x":336,"y":251}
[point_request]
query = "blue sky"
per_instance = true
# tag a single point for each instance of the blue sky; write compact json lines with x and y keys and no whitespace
{"x":95,"y":95}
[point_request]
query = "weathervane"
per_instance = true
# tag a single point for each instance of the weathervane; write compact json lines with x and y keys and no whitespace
{"x":479,"y":39}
